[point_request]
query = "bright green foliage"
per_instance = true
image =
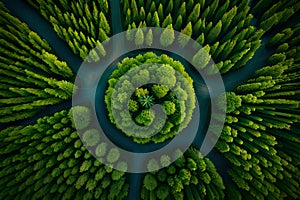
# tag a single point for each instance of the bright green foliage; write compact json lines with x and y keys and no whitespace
{"x":83,"y":25}
{"x":176,"y":96}
{"x":185,"y":35}
{"x":233,"y":102}
{"x":139,"y":37}
{"x":169,"y":107}
{"x":260,"y":135}
{"x":160,"y":91}
{"x":260,"y":138}
{"x":167,"y":36}
{"x":189,"y":177}
{"x":220,"y":24}
{"x":40,"y":161}
{"x":214,"y":32}
{"x":149,"y":38}
{"x":145,"y":117}
{"x":133,"y":105}
{"x":26,"y":63}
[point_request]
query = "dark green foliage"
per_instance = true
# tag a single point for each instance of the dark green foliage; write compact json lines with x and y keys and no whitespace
{"x":186,"y":178}
{"x":48,"y":162}
{"x":260,"y":138}
{"x":276,"y":14}
{"x":259,"y":129}
{"x":83,"y":25}
{"x":169,"y":95}
{"x":26,"y":63}
{"x":220,"y":24}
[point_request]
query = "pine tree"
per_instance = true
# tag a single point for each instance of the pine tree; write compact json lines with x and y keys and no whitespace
{"x":214,"y":32}
{"x":169,"y":8}
{"x":135,"y":12}
{"x":178,"y":23}
{"x":167,"y":21}
{"x":201,"y":58}
{"x":193,"y":17}
{"x":139,"y":37}
{"x":103,"y":23}
{"x":155,"y":20}
{"x":160,"y":12}
{"x":142,"y":14}
{"x":149,"y":38}
{"x":182,"y":10}
{"x":185,"y":35}
{"x":167,"y":36}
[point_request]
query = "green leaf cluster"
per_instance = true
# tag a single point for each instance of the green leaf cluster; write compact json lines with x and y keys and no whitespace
{"x":190,"y":177}
{"x":26,"y":63}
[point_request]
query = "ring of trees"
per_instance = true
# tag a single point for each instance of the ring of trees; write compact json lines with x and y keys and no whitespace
{"x":137,"y":85}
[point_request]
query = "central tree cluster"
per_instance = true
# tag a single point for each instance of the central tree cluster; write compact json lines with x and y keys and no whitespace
{"x":137,"y":85}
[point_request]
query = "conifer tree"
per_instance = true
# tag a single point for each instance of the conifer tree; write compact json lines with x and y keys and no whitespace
{"x":185,"y":35}
{"x":167,"y":36}
{"x":139,"y":37}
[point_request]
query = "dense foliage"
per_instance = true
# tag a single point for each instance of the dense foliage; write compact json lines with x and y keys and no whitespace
{"x":190,"y":177}
{"x":82,"y":24}
{"x":261,"y":136}
{"x":26,"y":64}
{"x":274,"y":14}
{"x":48,"y":160}
{"x":221,"y":26}
{"x":176,"y":97}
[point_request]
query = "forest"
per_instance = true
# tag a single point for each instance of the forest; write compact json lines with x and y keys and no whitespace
{"x":257,"y":155}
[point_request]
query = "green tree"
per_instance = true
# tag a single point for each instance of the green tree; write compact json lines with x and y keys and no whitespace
{"x":167,"y":21}
{"x":160,"y":90}
{"x":153,"y":165}
{"x":153,"y":7}
{"x":133,"y":105}
{"x":149,"y":38}
{"x":145,"y":117}
{"x":113,"y":155}
{"x":135,"y":12}
{"x":162,"y":191}
{"x":185,"y":35}
{"x":80,"y":116}
{"x":139,"y":37}
{"x":91,"y":137}
{"x":169,"y":8}
{"x":193,"y":17}
{"x":127,"y":18}
{"x":142,"y":14}
{"x":165,"y":160}
{"x":160,"y":12}
{"x":201,"y":58}
{"x":214,"y":33}
{"x":103,"y":6}
{"x":178,"y":23}
{"x":182,"y":10}
{"x":169,"y":107}
{"x":150,"y":182}
{"x":155,"y":20}
{"x":167,"y":36}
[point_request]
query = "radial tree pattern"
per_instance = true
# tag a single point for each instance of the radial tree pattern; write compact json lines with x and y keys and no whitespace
{"x":259,"y":145}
